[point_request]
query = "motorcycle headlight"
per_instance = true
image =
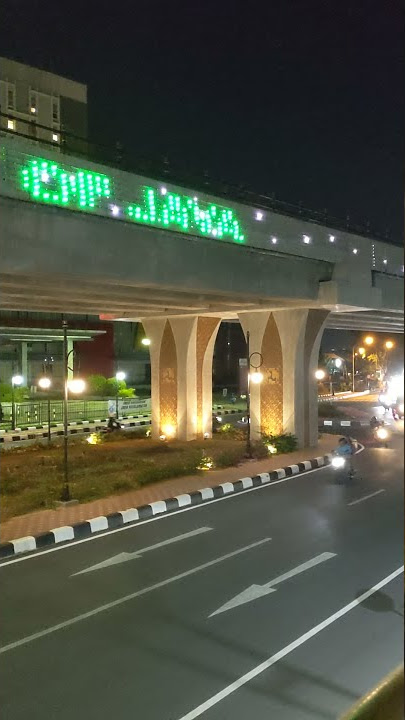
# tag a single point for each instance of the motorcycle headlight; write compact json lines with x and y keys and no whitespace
{"x":382,"y":434}
{"x":338,"y":462}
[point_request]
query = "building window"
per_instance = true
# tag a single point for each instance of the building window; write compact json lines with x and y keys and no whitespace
{"x":10,"y":97}
{"x":11,"y":125}
{"x":55,"y":137}
{"x":33,"y":103}
{"x":32,"y":129}
{"x":55,"y":110}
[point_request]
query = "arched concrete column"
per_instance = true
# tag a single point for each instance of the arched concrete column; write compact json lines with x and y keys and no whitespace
{"x":181,"y":354}
{"x":300,"y":332}
{"x":255,"y":323}
{"x":286,"y":400}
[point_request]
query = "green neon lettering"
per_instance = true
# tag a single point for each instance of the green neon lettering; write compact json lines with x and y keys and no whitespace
{"x":80,"y":189}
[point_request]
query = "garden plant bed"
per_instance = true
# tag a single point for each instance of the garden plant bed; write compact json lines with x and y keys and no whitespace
{"x":32,"y":477}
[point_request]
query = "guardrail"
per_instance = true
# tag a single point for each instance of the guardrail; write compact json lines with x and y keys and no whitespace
{"x":384,"y":702}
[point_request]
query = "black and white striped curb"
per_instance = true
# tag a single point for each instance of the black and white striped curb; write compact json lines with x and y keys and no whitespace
{"x":73,"y":430}
{"x":344,"y":423}
{"x":218,"y":410}
{"x":43,"y":426}
{"x":134,"y":515}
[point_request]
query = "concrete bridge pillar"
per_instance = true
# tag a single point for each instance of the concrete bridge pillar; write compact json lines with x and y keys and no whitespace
{"x":181,"y":352}
{"x":286,"y":400}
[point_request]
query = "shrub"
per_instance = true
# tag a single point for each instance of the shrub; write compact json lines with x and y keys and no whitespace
{"x":165,"y":472}
{"x":230,"y":457}
{"x":284,"y":443}
{"x":260,"y":450}
{"x":20,"y":393}
{"x":100,"y":386}
{"x":232,"y":432}
{"x":97,"y":385}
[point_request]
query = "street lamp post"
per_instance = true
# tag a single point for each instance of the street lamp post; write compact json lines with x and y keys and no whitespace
{"x":361,"y":352}
{"x":45,"y":383}
{"x":256,"y":377}
{"x":16,"y":381}
{"x":76,"y":386}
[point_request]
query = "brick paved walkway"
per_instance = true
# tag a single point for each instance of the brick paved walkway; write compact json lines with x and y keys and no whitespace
{"x":39,"y":522}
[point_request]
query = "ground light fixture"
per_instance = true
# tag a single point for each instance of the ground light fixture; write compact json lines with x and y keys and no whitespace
{"x":120,"y":375}
{"x":168,"y":430}
{"x":320,"y":374}
{"x":146,"y":342}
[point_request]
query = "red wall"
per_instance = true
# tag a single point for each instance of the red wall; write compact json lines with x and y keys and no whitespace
{"x":93,"y":356}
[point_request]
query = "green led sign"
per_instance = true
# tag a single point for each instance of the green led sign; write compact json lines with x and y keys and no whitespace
{"x":80,"y":189}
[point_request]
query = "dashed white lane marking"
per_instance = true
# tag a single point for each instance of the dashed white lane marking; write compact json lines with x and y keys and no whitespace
{"x":366,"y":497}
{"x":126,"y":598}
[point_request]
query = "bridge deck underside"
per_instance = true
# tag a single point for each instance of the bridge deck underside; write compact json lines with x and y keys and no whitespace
{"x":132,"y":302}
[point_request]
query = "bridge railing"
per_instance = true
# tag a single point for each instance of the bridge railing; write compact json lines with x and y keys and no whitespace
{"x":161,"y":168}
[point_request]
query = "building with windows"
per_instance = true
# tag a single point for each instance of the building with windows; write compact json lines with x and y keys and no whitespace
{"x":42,"y":106}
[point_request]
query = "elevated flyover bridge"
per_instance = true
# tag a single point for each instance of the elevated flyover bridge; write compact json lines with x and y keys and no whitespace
{"x":80,"y":237}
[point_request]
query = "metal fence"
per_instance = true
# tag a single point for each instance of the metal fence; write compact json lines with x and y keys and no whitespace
{"x":36,"y":413}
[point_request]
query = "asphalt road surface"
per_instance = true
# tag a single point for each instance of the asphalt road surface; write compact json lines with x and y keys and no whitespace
{"x":284,"y":602}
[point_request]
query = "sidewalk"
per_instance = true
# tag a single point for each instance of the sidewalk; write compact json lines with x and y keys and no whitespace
{"x":44,"y":520}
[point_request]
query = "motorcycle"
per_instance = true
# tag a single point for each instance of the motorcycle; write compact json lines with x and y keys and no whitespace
{"x":381,"y":435}
{"x":343,"y":468}
{"x":397,"y":411}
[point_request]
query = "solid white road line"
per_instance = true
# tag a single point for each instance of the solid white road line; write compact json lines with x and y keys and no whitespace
{"x":126,"y":598}
{"x":124,"y":556}
{"x":366,"y":497}
{"x":164,"y":516}
{"x":215,"y":699}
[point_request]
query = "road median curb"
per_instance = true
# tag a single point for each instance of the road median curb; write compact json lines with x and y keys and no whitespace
{"x":159,"y":507}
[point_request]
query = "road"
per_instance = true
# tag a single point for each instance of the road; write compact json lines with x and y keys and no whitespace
{"x":256,"y":605}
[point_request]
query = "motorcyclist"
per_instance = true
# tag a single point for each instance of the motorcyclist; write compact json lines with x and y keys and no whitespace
{"x":113,"y":424}
{"x":375,"y":423}
{"x":346,"y":450}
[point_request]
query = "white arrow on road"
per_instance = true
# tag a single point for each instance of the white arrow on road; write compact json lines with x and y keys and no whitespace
{"x":125,"y":556}
{"x":256,"y":591}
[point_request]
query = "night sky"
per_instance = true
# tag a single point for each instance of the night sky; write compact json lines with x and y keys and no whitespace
{"x":301,"y":98}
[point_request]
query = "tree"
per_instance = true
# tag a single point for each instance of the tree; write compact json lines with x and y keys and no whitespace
{"x":6,"y":393}
{"x":378,"y":361}
{"x":97,"y":385}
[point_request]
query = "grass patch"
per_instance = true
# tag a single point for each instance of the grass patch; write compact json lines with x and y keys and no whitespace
{"x":32,"y":477}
